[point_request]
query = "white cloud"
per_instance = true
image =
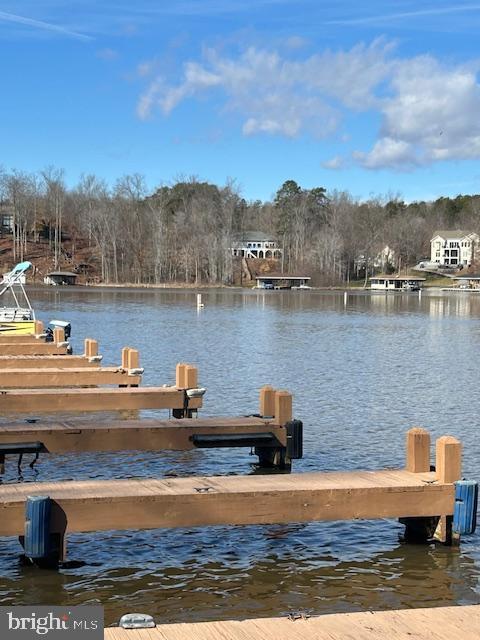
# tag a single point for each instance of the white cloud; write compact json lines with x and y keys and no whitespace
{"x":276,"y":95}
{"x":388,"y":153}
{"x":335,"y":163}
{"x":431,"y":116}
{"x":428,"y":110}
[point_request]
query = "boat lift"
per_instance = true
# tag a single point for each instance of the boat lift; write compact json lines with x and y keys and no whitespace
{"x":13,"y":283}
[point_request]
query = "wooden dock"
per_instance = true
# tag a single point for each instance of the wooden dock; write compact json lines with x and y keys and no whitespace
{"x":32,"y":348}
{"x":231,"y":500}
{"x":83,"y":376}
{"x":438,"y":623}
{"x":47,"y":361}
{"x":67,"y":400}
{"x":72,"y":436}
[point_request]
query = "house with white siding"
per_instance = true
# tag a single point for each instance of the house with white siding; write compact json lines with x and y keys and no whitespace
{"x":455,"y":247}
{"x":255,"y":244}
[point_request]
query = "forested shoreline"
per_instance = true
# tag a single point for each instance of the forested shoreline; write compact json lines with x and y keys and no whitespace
{"x":183,"y":232}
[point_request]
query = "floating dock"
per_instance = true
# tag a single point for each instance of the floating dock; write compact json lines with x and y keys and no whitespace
{"x":74,"y":436}
{"x":441,"y":623}
{"x":96,"y":505}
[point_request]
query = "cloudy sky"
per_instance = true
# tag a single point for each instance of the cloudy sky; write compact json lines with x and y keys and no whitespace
{"x":376,"y":97}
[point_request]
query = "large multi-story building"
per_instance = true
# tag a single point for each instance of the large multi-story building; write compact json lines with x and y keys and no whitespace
{"x":454,"y":248}
{"x":255,"y":244}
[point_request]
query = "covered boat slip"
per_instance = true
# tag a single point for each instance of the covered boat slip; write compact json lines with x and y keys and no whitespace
{"x":436,"y":623}
{"x":396,"y":283}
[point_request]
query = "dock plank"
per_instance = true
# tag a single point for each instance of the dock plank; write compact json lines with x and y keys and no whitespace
{"x":34,"y":348}
{"x":441,"y":623}
{"x":30,"y":378}
{"x":41,"y":361}
{"x":190,"y":502}
{"x":101,"y":399}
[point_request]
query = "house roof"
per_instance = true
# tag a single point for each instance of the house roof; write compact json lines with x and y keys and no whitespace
{"x":254,"y":236}
{"x":281,"y":276}
{"x":392,"y":277}
{"x":62,"y":273}
{"x":451,"y":234}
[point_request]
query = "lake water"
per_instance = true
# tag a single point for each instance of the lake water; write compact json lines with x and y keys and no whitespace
{"x":362,"y":372}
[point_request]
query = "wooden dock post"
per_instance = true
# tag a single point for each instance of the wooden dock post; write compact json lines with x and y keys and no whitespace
{"x":267,"y":401}
{"x":39,"y":328}
{"x":186,"y":377}
{"x":418,"y":450}
{"x":283,"y":407}
{"x":418,"y":461}
{"x":191,"y":377}
{"x":278,"y":406}
{"x":180,"y":375}
{"x":125,"y":351}
{"x":91,"y":348}
{"x":448,"y":467}
{"x":59,"y":335}
{"x":133,"y":360}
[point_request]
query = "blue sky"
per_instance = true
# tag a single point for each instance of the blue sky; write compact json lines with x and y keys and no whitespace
{"x":375,"y":98}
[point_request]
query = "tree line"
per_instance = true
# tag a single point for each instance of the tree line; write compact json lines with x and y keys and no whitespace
{"x":183,"y":232}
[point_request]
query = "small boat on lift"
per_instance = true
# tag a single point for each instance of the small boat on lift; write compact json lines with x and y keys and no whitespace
{"x":20,"y":318}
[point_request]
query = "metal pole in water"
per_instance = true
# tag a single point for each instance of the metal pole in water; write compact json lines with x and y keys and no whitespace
{"x":345,"y":298}
{"x":200,"y":305}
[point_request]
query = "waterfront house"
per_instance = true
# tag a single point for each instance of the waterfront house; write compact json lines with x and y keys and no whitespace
{"x":453,"y":248}
{"x":255,"y":244}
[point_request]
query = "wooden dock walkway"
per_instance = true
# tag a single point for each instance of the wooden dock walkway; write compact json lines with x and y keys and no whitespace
{"x":439,"y":623}
{"x":33,"y":348}
{"x":46,"y":361}
{"x":29,"y":378}
{"x":147,"y":434}
{"x":93,"y":399}
{"x":231,"y":500}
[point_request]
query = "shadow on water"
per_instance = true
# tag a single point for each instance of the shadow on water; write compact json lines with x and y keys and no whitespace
{"x":186,"y":575}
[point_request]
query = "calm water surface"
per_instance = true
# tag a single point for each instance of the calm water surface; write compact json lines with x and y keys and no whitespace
{"x":362,"y":372}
